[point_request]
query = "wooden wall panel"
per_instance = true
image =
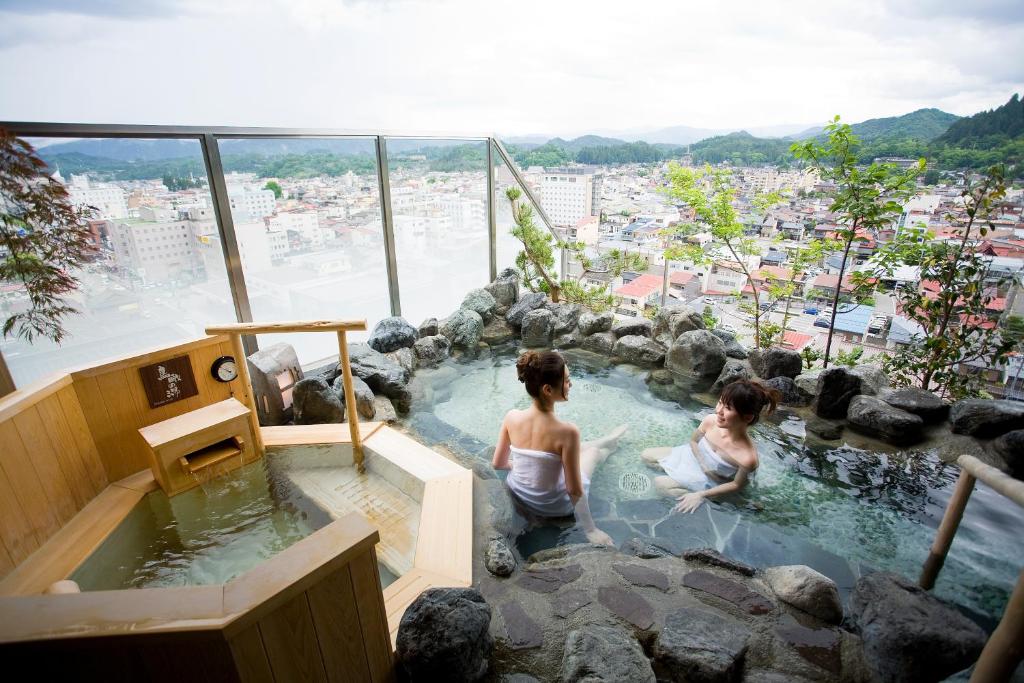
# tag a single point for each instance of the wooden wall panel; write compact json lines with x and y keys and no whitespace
{"x":83,"y":438}
{"x":68,"y":454}
{"x":366,"y":585}
{"x":32,"y":500}
{"x":290,"y":640}
{"x":250,"y":657}
{"x":19,"y":540}
{"x":43,"y":456}
{"x":333,"y":605}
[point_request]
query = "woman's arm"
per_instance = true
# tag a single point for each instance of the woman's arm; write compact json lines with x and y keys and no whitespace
{"x":699,"y":432}
{"x":501,"y":451}
{"x":691,"y":501}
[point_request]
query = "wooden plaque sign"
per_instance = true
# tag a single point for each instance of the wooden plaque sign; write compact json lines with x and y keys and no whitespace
{"x":168,"y":381}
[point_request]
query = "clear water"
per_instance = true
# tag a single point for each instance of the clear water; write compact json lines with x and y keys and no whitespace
{"x":840,"y":509}
{"x":209,"y":534}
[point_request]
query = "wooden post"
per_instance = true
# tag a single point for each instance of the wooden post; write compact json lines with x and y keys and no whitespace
{"x":242,"y":363}
{"x":947,"y":529}
{"x":1005,"y":647}
{"x":350,"y":402}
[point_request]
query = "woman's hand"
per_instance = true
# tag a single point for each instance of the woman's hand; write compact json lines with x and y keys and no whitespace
{"x":599,"y":537}
{"x":689,"y":503}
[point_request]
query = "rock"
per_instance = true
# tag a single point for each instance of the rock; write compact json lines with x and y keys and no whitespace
{"x":530,"y":302}
{"x":444,"y":635}
{"x":592,"y":323}
{"x":600,"y":342}
{"x":480,"y":301}
{"x":464,"y":328}
{"x":568,"y":601}
{"x":638,"y":350}
{"x":731,"y":371}
{"x":712,"y":557}
{"x":733,"y":348}
{"x":924,"y":404}
{"x":642,"y":576}
{"x":364,"y":396}
{"x":549,"y":579}
{"x":428,"y":328}
{"x":432,"y":350}
{"x":826,"y":429}
{"x":391,"y":334}
{"x":776,"y":362}
{"x":628,"y":605}
{"x":660,"y":376}
{"x":697,"y":353}
{"x":1011,"y":446}
{"x":791,"y":396}
{"x":633,"y":327}
{"x":499,"y":559}
{"x":404,"y":357}
{"x":649,"y":548}
{"x":985,"y":419}
{"x":566,"y":341}
{"x":675,"y":320}
{"x":497,"y":332}
{"x":836,"y":388}
{"x":908,"y":633}
{"x":698,"y":645}
{"x":383,"y":411}
{"x":872,"y":379}
{"x":383,"y":375}
{"x":523,"y":632}
{"x":728,"y":590}
{"x":807,"y":590}
{"x":313,"y":402}
{"x":724,"y":335}
{"x":505,"y":288}
{"x":819,"y":646}
{"x":604,"y":653}
{"x":565,"y":317}
{"x":537,"y":328}
{"x":807,"y":383}
{"x":875,"y":417}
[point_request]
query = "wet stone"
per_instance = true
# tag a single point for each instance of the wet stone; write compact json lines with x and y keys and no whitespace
{"x":712,"y":557}
{"x":628,"y":605}
{"x":549,"y":580}
{"x":499,"y":559}
{"x":518,"y":678}
{"x":730,"y":591}
{"x":642,"y":576}
{"x":604,"y":653}
{"x":698,"y":645}
{"x":647,"y":548}
{"x":568,"y":601}
{"x":523,"y":632}
{"x":819,"y":646}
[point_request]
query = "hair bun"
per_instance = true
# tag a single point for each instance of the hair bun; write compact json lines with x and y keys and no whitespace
{"x":527,"y":364}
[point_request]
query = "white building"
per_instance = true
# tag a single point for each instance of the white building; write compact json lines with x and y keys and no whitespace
{"x":156,"y":251}
{"x":108,"y":200}
{"x":251,"y":200}
{"x":306,"y":223}
{"x":569,"y":195}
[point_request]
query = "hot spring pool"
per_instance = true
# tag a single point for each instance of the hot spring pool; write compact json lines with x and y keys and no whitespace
{"x":842,"y":510}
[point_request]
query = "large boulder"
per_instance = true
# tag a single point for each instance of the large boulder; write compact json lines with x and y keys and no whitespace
{"x":405,"y":357}
{"x":537,"y":327}
{"x":505,"y":288}
{"x":464,"y":328}
{"x":776,"y":362}
{"x":873,"y":416}
{"x":565,"y":317}
{"x":696,"y":353}
{"x":497,"y":332}
{"x":807,"y":590}
{"x":836,"y":388}
{"x":569,"y":340}
{"x":924,"y":404}
{"x":791,"y":396}
{"x":1011,"y":447}
{"x":700,"y":645}
{"x":314,"y":402}
{"x":604,"y":653}
{"x":872,"y":379}
{"x":908,"y":633}
{"x":633,"y":327}
{"x":530,"y":302}
{"x":807,"y":382}
{"x":675,"y":320}
{"x":384,"y":375}
{"x":363,"y":394}
{"x":733,"y":348}
{"x":432,"y":350}
{"x":599,"y":342}
{"x":428,"y":328}
{"x":592,"y":323}
{"x":985,"y":419}
{"x":732,"y":370}
{"x":481,"y":301}
{"x":444,"y":635}
{"x":638,"y":350}
{"x":391,"y":334}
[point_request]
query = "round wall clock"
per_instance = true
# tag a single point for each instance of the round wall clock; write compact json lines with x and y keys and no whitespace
{"x":224,"y":369}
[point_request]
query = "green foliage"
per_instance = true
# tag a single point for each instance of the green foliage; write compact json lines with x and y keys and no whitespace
{"x":932,"y":177}
{"x":1013,"y":330}
{"x":599,"y":151}
{"x":952,"y":315}
{"x":710,"y":321}
{"x":987,"y":127}
{"x":866,"y":201}
{"x":850,"y":358}
{"x":767,"y":333}
{"x":536,"y":262}
{"x":741,"y":149}
{"x":44,"y":238}
{"x":174,"y":183}
{"x":811,"y":254}
{"x":274,"y":187}
{"x":810,"y":355}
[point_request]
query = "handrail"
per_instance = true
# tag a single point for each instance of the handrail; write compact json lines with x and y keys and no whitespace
{"x":122,"y":130}
{"x":289,"y":326}
{"x":995,"y":478}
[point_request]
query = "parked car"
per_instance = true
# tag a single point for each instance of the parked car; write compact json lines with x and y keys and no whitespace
{"x":811,"y":310}
{"x":767,"y":305}
{"x":710,"y":301}
{"x":821,"y":322}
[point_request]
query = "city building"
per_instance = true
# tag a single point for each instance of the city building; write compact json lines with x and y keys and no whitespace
{"x":155,"y":251}
{"x":636,"y":295}
{"x":108,"y":201}
{"x":570,"y":194}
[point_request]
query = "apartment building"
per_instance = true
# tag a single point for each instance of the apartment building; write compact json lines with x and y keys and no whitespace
{"x":108,"y":200}
{"x":570,"y":194}
{"x":155,"y":251}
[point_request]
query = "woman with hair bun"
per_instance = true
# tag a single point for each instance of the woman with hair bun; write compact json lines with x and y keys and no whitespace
{"x":720,"y":457}
{"x":550,"y":469}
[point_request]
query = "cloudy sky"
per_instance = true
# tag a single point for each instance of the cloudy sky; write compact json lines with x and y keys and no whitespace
{"x":530,"y":66}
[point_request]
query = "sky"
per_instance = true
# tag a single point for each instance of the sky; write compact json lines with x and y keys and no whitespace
{"x":529,"y":67}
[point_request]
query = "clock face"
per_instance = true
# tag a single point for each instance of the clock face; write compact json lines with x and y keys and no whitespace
{"x":224,"y":369}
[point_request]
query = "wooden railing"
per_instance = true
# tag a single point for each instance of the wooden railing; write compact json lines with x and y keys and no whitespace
{"x":1005,"y":647}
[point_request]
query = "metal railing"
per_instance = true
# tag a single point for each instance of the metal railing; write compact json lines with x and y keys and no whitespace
{"x":209,"y":139}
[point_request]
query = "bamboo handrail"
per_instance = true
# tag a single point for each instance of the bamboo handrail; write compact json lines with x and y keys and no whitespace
{"x":995,"y":478}
{"x":289,"y":326}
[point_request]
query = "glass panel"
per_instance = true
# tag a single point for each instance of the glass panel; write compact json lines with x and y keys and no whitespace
{"x":307,"y":217}
{"x":155,"y":279}
{"x":507,"y":245}
{"x":438,"y":197}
